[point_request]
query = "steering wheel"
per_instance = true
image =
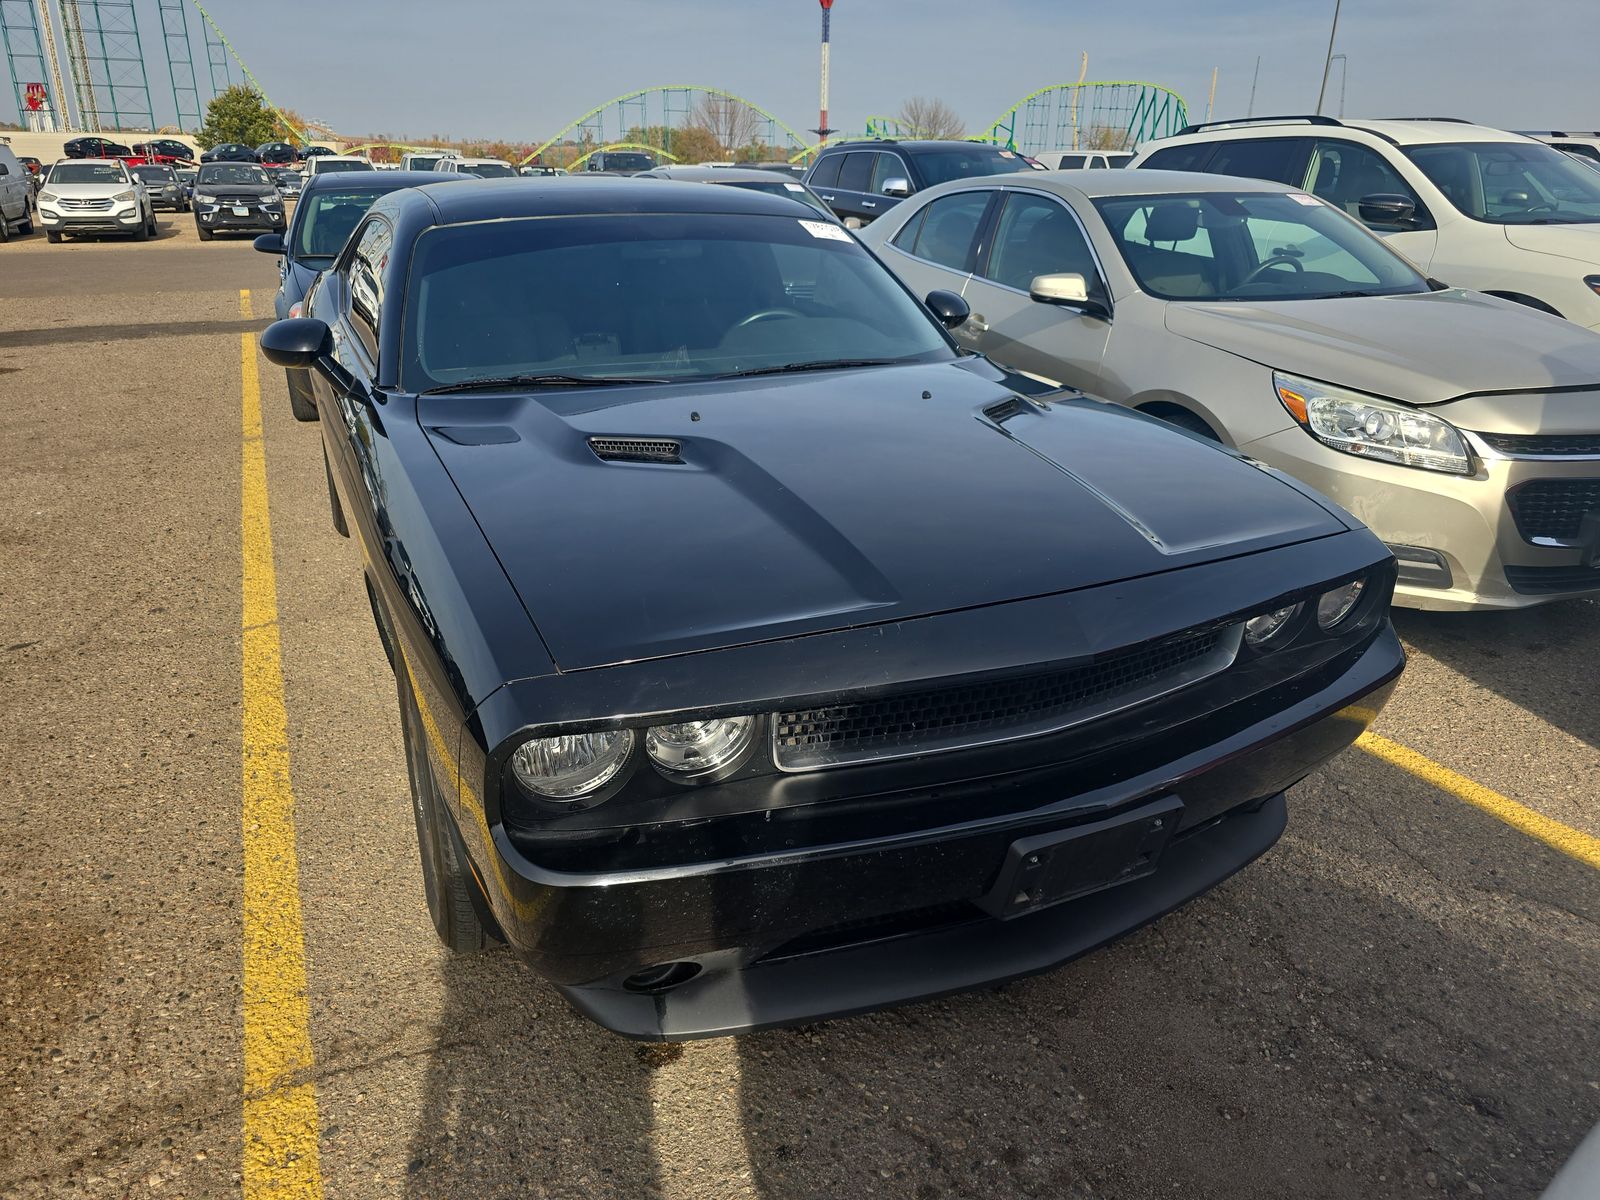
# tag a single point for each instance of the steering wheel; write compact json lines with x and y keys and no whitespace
{"x":1271,"y":262}
{"x":768,"y":314}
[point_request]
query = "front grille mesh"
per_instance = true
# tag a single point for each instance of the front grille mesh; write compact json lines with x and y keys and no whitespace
{"x":1546,"y":581}
{"x":1554,"y":508}
{"x":85,"y":205}
{"x":1541,"y":444}
{"x":971,"y":714}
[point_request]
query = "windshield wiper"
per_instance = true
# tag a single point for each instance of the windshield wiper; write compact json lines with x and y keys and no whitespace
{"x":821,"y":364}
{"x":516,"y":381}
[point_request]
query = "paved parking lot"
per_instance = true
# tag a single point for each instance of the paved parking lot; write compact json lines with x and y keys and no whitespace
{"x":1399,"y":1000}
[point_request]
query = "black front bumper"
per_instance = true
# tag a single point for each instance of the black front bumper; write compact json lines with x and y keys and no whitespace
{"x":226,"y":218}
{"x":830,"y":928}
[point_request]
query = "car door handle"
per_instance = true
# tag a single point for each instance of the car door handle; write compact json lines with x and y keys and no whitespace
{"x":869,"y":204}
{"x":829,"y":199}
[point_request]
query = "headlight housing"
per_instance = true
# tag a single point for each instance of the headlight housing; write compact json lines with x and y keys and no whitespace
{"x":1270,"y":626}
{"x":47,"y":197}
{"x":1371,"y":428}
{"x":1336,"y":604}
{"x":205,"y":197}
{"x":122,"y":197}
{"x":571,"y":766}
{"x":695,"y":750}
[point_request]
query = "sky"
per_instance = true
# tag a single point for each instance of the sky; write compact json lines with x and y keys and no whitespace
{"x":523,"y":69}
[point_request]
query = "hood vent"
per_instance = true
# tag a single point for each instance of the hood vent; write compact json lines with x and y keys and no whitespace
{"x":1012,"y":406}
{"x":636,"y":449}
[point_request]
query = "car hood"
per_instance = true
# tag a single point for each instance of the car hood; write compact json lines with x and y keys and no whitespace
{"x":832,"y":500}
{"x":1420,"y":349}
{"x":1581,"y":243}
{"x":87,"y":191}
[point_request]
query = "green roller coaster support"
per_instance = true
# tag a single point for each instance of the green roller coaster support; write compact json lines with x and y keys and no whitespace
{"x":637,"y":97}
{"x":1156,"y":112}
{"x":299,"y":134}
{"x":583,"y":158}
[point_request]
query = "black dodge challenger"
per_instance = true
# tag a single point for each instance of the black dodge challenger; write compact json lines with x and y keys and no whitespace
{"x":764,"y":657}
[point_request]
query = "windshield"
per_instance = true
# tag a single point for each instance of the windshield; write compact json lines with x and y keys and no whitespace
{"x":1251,"y":246}
{"x":779,"y":187}
{"x":326,"y":166}
{"x":658,"y":296}
{"x":426,"y":162}
{"x":627,"y":162}
{"x":324,"y":220}
{"x":491,"y":171}
{"x":941,"y":166}
{"x":154,"y":174}
{"x":240,"y":174}
{"x":87,"y":173}
{"x":1511,"y":183}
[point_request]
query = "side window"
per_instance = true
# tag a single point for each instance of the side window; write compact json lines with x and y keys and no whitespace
{"x":1281,"y":160}
{"x":1343,"y":172}
{"x":886,"y":168}
{"x":856,"y":174}
{"x":906,"y":239}
{"x":949,"y":227}
{"x":1071,"y":162}
{"x":826,"y":172}
{"x":4,"y":170}
{"x":1178,"y":158}
{"x":1037,"y":236}
{"x":366,"y":281}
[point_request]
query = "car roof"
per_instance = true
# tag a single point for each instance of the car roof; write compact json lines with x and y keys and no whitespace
{"x":491,"y":199}
{"x":722,"y":174}
{"x":104,"y":162}
{"x":1113,"y":182}
{"x":378,"y":181}
{"x":1397,"y":131}
{"x":910,"y":144}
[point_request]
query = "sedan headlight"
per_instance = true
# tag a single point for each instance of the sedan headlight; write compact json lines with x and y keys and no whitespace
{"x":1371,"y":428}
{"x":1335,"y":605}
{"x":695,"y":749}
{"x":571,"y":765}
{"x":1269,"y":626}
{"x":122,"y":197}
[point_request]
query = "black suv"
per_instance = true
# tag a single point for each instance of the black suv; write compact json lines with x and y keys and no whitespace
{"x":864,"y":180}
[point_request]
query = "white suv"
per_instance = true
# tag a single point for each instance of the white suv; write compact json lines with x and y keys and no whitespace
{"x":483,"y":168}
{"x":1476,"y":207}
{"x":95,"y":195}
{"x":1585,"y":143}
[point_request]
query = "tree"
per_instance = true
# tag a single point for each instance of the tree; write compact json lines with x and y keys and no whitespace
{"x":732,"y":122}
{"x":695,"y":144}
{"x":925,"y":118}
{"x":238,"y":114}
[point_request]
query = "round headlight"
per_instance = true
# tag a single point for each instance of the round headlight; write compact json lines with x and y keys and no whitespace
{"x":573,"y":764}
{"x":1258,"y":631}
{"x":695,"y":748}
{"x":1335,"y":604}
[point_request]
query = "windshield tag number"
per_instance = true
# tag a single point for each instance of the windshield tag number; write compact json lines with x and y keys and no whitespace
{"x":822,"y":229}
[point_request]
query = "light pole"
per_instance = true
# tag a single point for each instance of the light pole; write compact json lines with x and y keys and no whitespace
{"x":1344,"y":77}
{"x":1327,"y":63}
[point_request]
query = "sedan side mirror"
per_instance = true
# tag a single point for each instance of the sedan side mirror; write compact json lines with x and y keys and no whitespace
{"x":898,"y":187}
{"x":1069,"y":290}
{"x":949,"y":307}
{"x":270,"y":243}
{"x":299,"y":343}
{"x":1383,"y":208}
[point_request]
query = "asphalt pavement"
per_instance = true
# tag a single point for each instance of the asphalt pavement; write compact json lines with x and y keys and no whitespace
{"x":1399,"y":1000}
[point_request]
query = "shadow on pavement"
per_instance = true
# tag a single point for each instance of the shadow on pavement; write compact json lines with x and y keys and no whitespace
{"x":1399,"y":1000}
{"x":1542,"y":659}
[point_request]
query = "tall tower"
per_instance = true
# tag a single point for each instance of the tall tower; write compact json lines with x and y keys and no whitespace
{"x":822,"y":130}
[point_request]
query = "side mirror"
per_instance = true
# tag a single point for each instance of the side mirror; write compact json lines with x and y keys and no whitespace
{"x":950,"y":308}
{"x":1383,"y":208}
{"x":1069,"y":290}
{"x":299,"y":343}
{"x":897,"y":187}
{"x":270,"y":243}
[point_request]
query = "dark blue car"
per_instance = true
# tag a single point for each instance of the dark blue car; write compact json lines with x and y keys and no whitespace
{"x":330,"y":206}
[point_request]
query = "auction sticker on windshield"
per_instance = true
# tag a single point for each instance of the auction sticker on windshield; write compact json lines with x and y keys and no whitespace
{"x":821,"y":229}
{"x":1303,"y":198}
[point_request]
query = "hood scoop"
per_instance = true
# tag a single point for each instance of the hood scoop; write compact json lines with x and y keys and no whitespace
{"x":637,"y":449}
{"x":1011,"y":406}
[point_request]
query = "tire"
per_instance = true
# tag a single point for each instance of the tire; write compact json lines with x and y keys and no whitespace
{"x":5,"y":227}
{"x":452,"y":894}
{"x":205,"y":234}
{"x":53,"y":236}
{"x":301,"y":401}
{"x":27,"y":224}
{"x":142,"y":234}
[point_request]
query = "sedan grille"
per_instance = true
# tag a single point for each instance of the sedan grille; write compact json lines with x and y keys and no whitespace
{"x":1546,"y":581}
{"x":70,"y":205}
{"x":963,"y":715}
{"x":1554,"y":509}
{"x":1545,"y":446}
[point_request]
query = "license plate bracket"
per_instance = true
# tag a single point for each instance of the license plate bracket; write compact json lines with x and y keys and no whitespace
{"x":1050,"y":868}
{"x":240,"y":210}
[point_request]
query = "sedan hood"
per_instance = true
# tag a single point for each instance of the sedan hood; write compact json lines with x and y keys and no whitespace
{"x":1581,"y":243}
{"x":1420,"y":349}
{"x":832,"y":500}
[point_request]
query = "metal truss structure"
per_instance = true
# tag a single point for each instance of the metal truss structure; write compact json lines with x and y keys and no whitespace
{"x":1114,"y":115}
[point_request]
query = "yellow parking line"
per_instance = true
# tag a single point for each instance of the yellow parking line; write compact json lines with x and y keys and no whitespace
{"x":1572,"y":842}
{"x":280,"y":1102}
{"x":245,"y":309}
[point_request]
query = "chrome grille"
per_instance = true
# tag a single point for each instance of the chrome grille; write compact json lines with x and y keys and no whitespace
{"x":1544,"y":445}
{"x":934,"y":720}
{"x":70,"y":205}
{"x":1554,"y":509}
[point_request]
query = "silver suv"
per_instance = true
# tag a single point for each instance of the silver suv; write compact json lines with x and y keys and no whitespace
{"x":95,"y":195}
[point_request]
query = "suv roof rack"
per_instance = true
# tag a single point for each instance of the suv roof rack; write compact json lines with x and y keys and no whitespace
{"x":1447,"y":120}
{"x":1308,"y":118}
{"x":1582,"y":133}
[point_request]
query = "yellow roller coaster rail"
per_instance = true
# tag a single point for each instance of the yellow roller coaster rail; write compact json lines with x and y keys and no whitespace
{"x":299,"y":134}
{"x":577,"y":162}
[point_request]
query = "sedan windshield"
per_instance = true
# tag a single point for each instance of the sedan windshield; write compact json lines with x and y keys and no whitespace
{"x":657,"y":296}
{"x":87,"y":173}
{"x":941,"y":166}
{"x":1511,"y":183}
{"x":1251,"y":246}
{"x":324,"y":221}
{"x":239,"y":174}
{"x":491,"y":171}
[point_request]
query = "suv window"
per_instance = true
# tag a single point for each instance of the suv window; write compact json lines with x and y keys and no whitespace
{"x":1037,"y":236}
{"x":1070,"y":162}
{"x":1188,"y":157}
{"x":826,"y":172}
{"x":1282,"y":160}
{"x":1343,"y":172}
{"x":947,"y":230}
{"x":366,"y":282}
{"x":856,"y":174}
